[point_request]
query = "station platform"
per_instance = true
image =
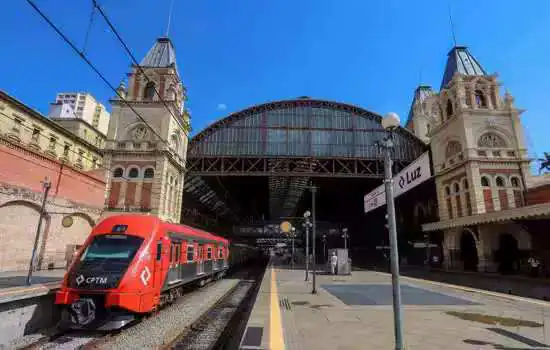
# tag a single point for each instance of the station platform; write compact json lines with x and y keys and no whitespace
{"x":13,"y":284}
{"x":355,"y":312}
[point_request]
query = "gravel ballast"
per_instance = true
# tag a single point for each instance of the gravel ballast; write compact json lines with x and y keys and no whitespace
{"x":165,"y":326}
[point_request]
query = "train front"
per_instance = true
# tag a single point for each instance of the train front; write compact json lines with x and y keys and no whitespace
{"x":110,"y":280}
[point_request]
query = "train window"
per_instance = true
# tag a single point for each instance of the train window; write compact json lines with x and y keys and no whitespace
{"x":190,"y":252}
{"x":112,"y":248}
{"x":209,"y":253}
{"x":159,"y":250}
{"x":171,"y":252}
{"x":220,"y":253}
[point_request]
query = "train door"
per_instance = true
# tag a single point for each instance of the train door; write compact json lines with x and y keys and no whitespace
{"x":217,"y":258}
{"x":200,"y":262}
{"x":158,"y":271}
{"x":173,"y":274}
{"x":225,"y":256}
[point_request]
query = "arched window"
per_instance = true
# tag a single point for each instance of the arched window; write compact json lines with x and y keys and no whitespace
{"x":491,"y":140}
{"x":485,"y":181}
{"x":134,"y":173}
{"x":118,"y":172}
{"x":447,"y":190}
{"x":149,"y":91}
{"x":427,"y":129}
{"x":465,"y":184}
{"x":480,"y":99}
{"x":453,"y":147}
{"x":514,"y":181}
{"x":456,"y":188}
{"x":149,"y":173}
{"x":449,"y":108}
{"x":500,"y":181}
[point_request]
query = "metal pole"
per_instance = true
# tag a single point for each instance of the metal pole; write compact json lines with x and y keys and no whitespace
{"x":314,"y":235}
{"x":324,"y":250}
{"x":46,"y":185}
{"x":307,"y":248}
{"x":293,"y":252}
{"x":398,"y":327}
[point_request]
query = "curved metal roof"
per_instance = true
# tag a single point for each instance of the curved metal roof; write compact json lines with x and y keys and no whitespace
{"x":365,"y":122}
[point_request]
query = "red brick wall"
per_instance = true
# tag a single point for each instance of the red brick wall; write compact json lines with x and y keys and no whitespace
{"x":538,"y":195}
{"x":130,"y":193}
{"x":115,"y":193}
{"x":503,"y":196}
{"x":146,"y":188}
{"x":24,"y":168}
{"x":488,"y":198}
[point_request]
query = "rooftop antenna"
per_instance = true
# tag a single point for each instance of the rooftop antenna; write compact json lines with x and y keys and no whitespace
{"x":169,"y":17}
{"x":452,"y":25}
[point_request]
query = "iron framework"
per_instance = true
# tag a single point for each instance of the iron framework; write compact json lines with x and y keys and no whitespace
{"x":291,"y":142}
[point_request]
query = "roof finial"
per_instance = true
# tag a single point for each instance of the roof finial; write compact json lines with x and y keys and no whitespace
{"x":452,"y":25}
{"x":169,"y":17}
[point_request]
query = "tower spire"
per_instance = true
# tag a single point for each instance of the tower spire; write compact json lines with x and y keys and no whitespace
{"x":169,"y":17}
{"x":452,"y":25}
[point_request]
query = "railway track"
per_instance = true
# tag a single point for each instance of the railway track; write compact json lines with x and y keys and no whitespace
{"x":69,"y":340}
{"x":205,"y":331}
{"x":216,"y":328}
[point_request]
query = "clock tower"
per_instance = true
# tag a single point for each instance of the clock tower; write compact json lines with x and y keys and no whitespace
{"x":147,"y":139}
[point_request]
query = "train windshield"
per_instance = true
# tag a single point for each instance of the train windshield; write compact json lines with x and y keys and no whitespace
{"x":112,"y":247}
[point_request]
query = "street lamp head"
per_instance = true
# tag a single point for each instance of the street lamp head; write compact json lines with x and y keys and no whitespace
{"x":307,"y":214}
{"x":345,"y":230}
{"x":391,"y":121}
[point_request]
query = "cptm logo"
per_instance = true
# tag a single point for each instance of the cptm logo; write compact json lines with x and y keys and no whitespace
{"x":91,"y":280}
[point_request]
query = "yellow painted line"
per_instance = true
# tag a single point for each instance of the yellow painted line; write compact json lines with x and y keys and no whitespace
{"x":479,"y":291}
{"x":30,"y":289}
{"x":276,"y":341}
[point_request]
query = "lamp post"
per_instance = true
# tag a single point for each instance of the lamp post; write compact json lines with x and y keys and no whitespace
{"x":324,"y":249}
{"x":314,"y":236}
{"x":292,"y":234}
{"x":307,"y":225}
{"x":390,"y":122}
{"x":46,"y":185}
{"x":345,"y":237}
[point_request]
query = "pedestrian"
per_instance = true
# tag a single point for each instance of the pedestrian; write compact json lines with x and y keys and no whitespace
{"x":534,"y":264}
{"x":333,"y":263}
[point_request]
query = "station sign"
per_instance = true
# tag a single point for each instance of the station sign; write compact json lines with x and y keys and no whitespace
{"x":413,"y":175}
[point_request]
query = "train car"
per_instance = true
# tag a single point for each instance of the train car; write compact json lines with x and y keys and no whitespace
{"x":130,"y":265}
{"x":243,"y":253}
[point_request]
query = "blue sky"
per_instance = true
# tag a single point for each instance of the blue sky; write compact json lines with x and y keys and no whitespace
{"x":237,"y":53}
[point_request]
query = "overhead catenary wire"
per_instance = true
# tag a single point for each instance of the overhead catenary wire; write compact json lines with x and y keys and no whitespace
{"x":186,"y":128}
{"x":82,"y":55}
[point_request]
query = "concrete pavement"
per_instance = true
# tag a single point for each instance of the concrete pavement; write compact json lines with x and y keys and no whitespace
{"x":355,"y":312}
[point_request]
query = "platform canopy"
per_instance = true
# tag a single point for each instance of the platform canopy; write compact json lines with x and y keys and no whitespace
{"x":292,"y":142}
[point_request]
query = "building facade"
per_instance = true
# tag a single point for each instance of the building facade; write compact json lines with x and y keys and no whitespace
{"x":34,"y":148}
{"x":80,"y":105}
{"x":146,"y":144}
{"x":481,"y":166}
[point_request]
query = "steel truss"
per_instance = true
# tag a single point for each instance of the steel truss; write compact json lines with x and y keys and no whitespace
{"x":288,"y":166}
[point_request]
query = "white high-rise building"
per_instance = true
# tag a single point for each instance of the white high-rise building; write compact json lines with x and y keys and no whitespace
{"x":80,"y":105}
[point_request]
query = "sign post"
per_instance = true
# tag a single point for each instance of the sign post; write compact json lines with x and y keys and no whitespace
{"x":413,"y":175}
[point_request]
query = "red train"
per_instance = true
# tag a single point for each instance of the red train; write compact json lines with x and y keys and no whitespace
{"x":131,"y":265}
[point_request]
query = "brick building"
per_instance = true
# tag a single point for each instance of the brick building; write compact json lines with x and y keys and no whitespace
{"x":32,"y":148}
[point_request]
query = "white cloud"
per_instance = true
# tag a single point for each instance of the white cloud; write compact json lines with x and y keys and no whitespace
{"x":222,"y":107}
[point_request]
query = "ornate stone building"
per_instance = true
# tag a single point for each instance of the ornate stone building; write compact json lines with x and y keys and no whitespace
{"x":148,"y":162}
{"x":33,"y":148}
{"x":480,"y":162}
